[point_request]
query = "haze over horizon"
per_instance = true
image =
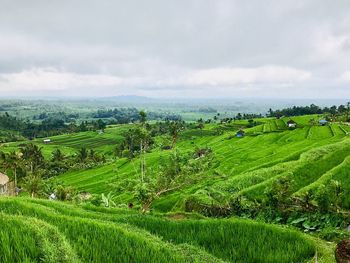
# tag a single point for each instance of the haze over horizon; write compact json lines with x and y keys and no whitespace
{"x":194,"y":49}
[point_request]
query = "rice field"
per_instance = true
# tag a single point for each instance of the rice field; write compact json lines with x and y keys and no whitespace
{"x":70,"y":143}
{"x":51,"y":231}
{"x":246,"y":165}
{"x":308,"y":155}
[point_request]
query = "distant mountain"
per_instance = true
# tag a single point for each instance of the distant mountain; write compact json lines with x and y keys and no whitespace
{"x":128,"y":98}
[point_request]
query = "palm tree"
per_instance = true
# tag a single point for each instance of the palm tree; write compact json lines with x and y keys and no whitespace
{"x":13,"y":162}
{"x":57,"y":156}
{"x":82,"y":154}
{"x":32,"y":154}
{"x":145,"y":138}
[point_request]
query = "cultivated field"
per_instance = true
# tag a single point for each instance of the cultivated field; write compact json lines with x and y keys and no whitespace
{"x":246,"y":166}
{"x":59,"y":232}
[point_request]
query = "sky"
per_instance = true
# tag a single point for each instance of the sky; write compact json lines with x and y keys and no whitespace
{"x":183,"y":48}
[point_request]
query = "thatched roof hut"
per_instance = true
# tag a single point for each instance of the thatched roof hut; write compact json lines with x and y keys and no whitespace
{"x":4,"y":180}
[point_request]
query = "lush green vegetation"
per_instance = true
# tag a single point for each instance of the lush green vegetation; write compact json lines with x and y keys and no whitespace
{"x":115,"y":235}
{"x":186,"y":185}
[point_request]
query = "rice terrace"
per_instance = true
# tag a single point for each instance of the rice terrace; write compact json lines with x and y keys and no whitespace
{"x":175,"y":131}
{"x":157,"y":191}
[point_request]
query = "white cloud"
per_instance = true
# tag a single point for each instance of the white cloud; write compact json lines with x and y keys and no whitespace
{"x":153,"y":47}
{"x":53,"y":79}
{"x":233,"y":76}
{"x":330,"y":47}
{"x":345,"y":77}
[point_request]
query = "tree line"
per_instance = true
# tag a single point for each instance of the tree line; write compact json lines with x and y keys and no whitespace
{"x":127,"y":115}
{"x":308,"y":110}
{"x":47,"y":127}
{"x":31,"y":171}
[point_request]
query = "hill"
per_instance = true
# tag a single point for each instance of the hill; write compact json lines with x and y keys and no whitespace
{"x":246,"y":166}
{"x":295,"y":177}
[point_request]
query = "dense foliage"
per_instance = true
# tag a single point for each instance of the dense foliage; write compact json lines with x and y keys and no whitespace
{"x":307,"y":110}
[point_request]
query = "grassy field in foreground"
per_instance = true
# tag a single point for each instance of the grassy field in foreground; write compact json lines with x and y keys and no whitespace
{"x":91,"y":234}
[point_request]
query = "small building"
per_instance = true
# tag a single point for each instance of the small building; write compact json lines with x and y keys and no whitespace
{"x":52,"y":196}
{"x":4,"y":180}
{"x":291,"y":124}
{"x":47,"y":141}
{"x":240,"y":134}
{"x":323,"y":122}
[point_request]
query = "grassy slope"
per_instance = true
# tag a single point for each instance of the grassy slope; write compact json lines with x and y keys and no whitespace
{"x":247,"y":165}
{"x":112,"y":235}
{"x":309,"y":155}
{"x":71,"y":143}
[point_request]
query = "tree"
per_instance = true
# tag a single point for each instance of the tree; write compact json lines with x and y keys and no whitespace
{"x":329,"y":196}
{"x":323,"y":198}
{"x":82,"y":154}
{"x":175,"y":128}
{"x":174,"y":173}
{"x":13,"y":161}
{"x":57,"y":156}
{"x":200,"y":124}
{"x":143,"y":117}
{"x":34,"y":184}
{"x":83,"y":126}
{"x":145,"y":139}
{"x":278,"y":196}
{"x":336,"y":191}
{"x":33,"y":156}
{"x":101,"y":125}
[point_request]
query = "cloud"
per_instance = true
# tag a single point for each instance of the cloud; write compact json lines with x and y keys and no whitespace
{"x":53,"y":79}
{"x":233,"y":76}
{"x":156,"y":47}
{"x":345,"y":77}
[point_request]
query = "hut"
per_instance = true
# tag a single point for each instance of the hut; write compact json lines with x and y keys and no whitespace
{"x":4,"y":180}
{"x":291,"y":124}
{"x":47,"y":141}
{"x":323,"y":122}
{"x":240,"y":134}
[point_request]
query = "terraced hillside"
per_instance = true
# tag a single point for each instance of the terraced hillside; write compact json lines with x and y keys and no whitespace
{"x":46,"y":231}
{"x":246,"y":166}
{"x":70,"y":143}
{"x":243,"y":168}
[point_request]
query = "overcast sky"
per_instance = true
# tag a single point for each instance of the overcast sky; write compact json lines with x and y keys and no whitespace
{"x":182,"y":48}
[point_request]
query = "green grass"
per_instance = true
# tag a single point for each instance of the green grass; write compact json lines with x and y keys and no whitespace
{"x":116,"y":235}
{"x":71,"y":143}
{"x":309,"y":155}
{"x":24,"y":239}
{"x":247,"y":165}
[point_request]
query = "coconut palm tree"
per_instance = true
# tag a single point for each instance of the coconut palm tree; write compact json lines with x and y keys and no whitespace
{"x":14,"y":161}
{"x":33,"y":156}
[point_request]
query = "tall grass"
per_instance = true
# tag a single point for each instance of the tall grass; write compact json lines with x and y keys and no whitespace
{"x":120,"y":236}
